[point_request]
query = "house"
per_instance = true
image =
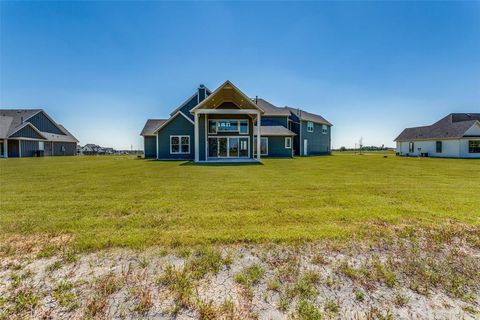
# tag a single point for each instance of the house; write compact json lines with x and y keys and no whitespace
{"x":454,"y":136}
{"x":32,"y":132}
{"x":223,"y":125}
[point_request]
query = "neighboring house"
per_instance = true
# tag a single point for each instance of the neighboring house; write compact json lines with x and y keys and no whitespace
{"x":31,"y":132}
{"x":455,"y":136}
{"x":223,"y":125}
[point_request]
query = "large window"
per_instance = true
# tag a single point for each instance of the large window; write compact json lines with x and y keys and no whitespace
{"x":263,"y":146}
{"x":41,"y":146}
{"x":309,"y":126}
{"x":324,"y":129}
{"x":240,"y":126}
{"x":288,"y":143}
{"x":474,"y":146}
{"x":228,"y":147}
{"x":411,"y":147}
{"x":438,"y":146}
{"x":179,"y":144}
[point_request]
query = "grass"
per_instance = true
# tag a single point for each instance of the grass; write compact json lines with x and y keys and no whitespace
{"x":120,"y":201}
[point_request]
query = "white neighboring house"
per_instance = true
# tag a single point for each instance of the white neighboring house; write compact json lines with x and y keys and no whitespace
{"x":455,"y":136}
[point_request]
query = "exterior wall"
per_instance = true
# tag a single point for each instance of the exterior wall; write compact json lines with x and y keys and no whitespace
{"x":27,"y":132}
{"x":275,"y":121}
{"x":317,"y":142}
{"x":451,"y":148}
{"x":42,"y":123}
{"x":276,"y":147}
{"x":150,"y":147}
{"x":176,"y":127}
{"x":70,"y":148}
{"x":29,"y":147}
{"x":48,"y":148}
{"x":295,"y":127}
{"x":189,"y":105}
{"x":464,"y":149}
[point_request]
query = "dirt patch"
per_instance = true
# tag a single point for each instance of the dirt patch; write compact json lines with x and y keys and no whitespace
{"x":413,"y":275}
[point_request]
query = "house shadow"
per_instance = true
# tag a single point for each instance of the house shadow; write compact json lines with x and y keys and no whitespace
{"x":221,"y":164}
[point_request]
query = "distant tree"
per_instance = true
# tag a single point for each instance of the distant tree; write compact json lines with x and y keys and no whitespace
{"x":343,"y":148}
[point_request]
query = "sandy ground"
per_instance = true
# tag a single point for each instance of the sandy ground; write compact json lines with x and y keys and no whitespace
{"x":346,"y":282}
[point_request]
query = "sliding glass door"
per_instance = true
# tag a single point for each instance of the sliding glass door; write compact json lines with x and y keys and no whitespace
{"x":228,"y":147}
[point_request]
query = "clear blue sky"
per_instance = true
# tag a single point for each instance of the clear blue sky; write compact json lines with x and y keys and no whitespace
{"x":102,"y":68}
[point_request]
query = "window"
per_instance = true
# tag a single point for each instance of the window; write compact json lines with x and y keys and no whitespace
{"x":179,"y":144}
{"x":324,"y":129}
{"x":243,"y":126}
{"x":438,"y":146}
{"x":240,"y":126}
{"x":41,"y":146}
{"x":227,"y":125}
{"x":212,"y":126}
{"x":288,"y":143}
{"x":263,"y":146}
{"x":62,"y":148}
{"x":474,"y":146}
{"x":411,"y":147}
{"x":309,"y":126}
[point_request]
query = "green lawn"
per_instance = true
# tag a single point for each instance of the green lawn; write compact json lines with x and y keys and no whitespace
{"x":122,"y":201}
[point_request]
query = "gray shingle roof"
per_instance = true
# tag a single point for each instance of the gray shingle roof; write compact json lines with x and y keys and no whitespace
{"x":273,"y":131}
{"x":151,"y":126}
{"x":13,"y":119}
{"x":452,"y":126}
{"x":270,"y":109}
{"x":307,"y":116}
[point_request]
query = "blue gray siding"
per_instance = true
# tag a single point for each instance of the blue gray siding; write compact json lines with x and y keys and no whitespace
{"x":295,"y":127}
{"x":276,"y":147}
{"x":29,"y":147}
{"x":189,"y":105}
{"x":150,"y":145}
{"x":176,"y":127}
{"x":64,"y":148}
{"x":42,"y":123}
{"x":318,"y":143}
{"x":275,"y":121}
{"x":27,"y":132}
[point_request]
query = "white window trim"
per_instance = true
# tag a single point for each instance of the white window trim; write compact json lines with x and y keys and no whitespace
{"x":324,"y":129}
{"x":229,"y":131}
{"x":255,"y":149}
{"x":41,"y":146}
{"x":289,"y":146}
{"x":310,"y":127}
{"x":468,"y":146}
{"x":180,"y":144}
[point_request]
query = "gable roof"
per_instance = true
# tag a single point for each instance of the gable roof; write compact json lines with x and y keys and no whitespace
{"x":227,"y":85}
{"x":151,"y":126}
{"x":307,"y":116}
{"x":12,"y":120}
{"x":171,"y":118}
{"x":452,"y":126}
{"x":23,"y":125}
